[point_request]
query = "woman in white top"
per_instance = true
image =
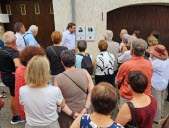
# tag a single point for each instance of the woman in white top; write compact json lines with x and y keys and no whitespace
{"x":160,"y":78}
{"x":104,"y":64}
{"x":39,"y":99}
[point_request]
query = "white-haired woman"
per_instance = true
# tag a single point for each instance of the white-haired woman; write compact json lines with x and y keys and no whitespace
{"x":39,"y":99}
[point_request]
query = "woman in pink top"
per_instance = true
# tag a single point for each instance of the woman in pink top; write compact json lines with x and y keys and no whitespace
{"x":25,"y":56}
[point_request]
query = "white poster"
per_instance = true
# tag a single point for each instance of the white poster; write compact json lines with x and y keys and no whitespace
{"x":90,"y":34}
{"x":4,"y":18}
{"x":80,"y":33}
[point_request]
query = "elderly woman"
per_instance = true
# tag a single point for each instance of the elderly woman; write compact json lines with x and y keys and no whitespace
{"x":126,"y":55}
{"x":76,"y":86}
{"x":104,"y":100}
{"x":104,"y":64}
{"x":53,"y":54}
{"x":126,"y":46}
{"x":145,"y":106}
{"x":160,"y":78}
{"x":39,"y":99}
{"x":24,"y":56}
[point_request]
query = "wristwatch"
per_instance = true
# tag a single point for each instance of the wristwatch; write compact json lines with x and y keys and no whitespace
{"x":72,"y":114}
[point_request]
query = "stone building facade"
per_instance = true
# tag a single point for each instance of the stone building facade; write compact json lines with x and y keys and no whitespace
{"x":90,"y":12}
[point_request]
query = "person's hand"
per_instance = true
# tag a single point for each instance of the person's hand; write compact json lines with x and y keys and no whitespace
{"x":76,"y":115}
{"x":2,"y":102}
{"x":124,"y":49}
{"x":84,"y":111}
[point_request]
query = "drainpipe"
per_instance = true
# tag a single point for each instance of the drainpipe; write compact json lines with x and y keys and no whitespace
{"x":73,"y":11}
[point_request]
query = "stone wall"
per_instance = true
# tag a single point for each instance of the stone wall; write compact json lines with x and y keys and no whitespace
{"x":89,"y":13}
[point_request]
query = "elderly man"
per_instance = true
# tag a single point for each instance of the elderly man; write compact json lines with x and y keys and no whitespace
{"x":29,"y":36}
{"x":9,"y":60}
{"x":68,"y":39}
{"x":113,"y":48}
{"x":20,"y":31}
{"x":137,"y":62}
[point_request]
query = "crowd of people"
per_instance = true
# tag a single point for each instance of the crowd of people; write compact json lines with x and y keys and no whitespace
{"x":53,"y":87}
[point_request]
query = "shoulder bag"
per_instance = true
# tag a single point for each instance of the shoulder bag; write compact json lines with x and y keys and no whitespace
{"x":76,"y":83}
{"x":134,"y":122}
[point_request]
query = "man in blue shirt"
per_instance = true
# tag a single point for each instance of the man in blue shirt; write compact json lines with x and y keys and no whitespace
{"x":29,"y":36}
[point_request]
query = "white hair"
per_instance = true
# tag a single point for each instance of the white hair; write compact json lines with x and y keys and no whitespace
{"x":124,"y":31}
{"x":108,"y":35}
{"x":131,"y":39}
{"x":9,"y":37}
{"x":33,"y":28}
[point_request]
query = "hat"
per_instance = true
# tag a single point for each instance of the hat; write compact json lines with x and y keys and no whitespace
{"x":160,"y":52}
{"x":126,"y":37}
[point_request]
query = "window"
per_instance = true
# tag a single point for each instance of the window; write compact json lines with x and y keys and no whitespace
{"x":37,"y":8}
{"x":23,"y":9}
{"x":8,"y":9}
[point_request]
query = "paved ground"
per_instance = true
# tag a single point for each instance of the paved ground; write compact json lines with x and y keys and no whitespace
{"x":5,"y":113}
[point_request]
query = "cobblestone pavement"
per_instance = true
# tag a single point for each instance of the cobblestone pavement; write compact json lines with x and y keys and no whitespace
{"x":6,"y":115}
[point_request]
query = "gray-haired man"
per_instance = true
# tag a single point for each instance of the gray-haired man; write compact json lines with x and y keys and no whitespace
{"x":9,"y":60}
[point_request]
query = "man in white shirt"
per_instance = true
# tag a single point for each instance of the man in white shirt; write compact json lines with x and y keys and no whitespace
{"x":20,"y":31}
{"x":68,"y":39}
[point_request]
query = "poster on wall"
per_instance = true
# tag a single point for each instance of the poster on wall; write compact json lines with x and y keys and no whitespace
{"x":90,"y":34}
{"x":4,"y":18}
{"x":80,"y":33}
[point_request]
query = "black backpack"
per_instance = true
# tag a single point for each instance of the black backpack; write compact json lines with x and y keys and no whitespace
{"x":87,"y":63}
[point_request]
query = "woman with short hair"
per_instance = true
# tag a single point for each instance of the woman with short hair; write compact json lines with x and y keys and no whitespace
{"x":53,"y":54}
{"x":104,"y":64}
{"x":145,"y":106}
{"x":76,"y":86}
{"x":104,"y":100}
{"x":40,"y":100}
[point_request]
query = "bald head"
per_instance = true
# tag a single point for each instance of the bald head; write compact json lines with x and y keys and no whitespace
{"x":9,"y":37}
{"x":122,"y":32}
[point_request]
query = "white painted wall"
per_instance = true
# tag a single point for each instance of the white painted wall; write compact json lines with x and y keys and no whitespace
{"x":62,"y":13}
{"x":89,"y":13}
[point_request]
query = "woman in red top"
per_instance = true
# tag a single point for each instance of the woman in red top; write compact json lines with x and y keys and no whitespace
{"x":25,"y":56}
{"x":145,"y":106}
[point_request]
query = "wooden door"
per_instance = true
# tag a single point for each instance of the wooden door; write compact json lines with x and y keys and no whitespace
{"x":145,"y":18}
{"x":29,"y":12}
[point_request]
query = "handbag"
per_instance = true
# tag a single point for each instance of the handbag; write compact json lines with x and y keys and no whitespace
{"x":134,"y":122}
